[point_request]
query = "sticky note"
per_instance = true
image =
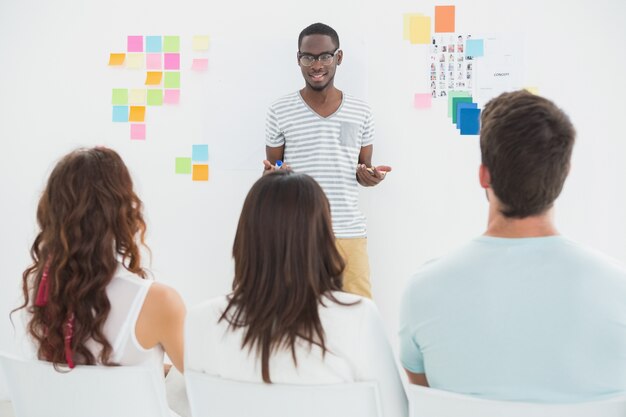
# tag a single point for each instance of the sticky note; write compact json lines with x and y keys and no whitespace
{"x":153,"y":44}
{"x":200,"y":64}
{"x":155,"y":97}
{"x":419,"y":29}
{"x":153,"y":61}
{"x":120,"y":113}
{"x":461,"y":106}
{"x":200,"y":42}
{"x":137,"y":114}
{"x":171,"y":61}
{"x":444,"y":19}
{"x":135,"y":61}
{"x":200,"y":152}
{"x":153,"y":77}
{"x":452,"y":94}
{"x":119,"y":96}
{"x":171,"y":96}
{"x":183,"y":165}
{"x":470,"y":121}
{"x":200,"y":173}
{"x":422,"y":100}
{"x":474,"y":47}
{"x":406,"y":27}
{"x":171,"y":44}
{"x":116,"y":59}
{"x":137,"y":131}
{"x":532,"y":90}
{"x":455,"y":102}
{"x":137,"y":96}
{"x":172,"y":80}
{"x":135,"y":44}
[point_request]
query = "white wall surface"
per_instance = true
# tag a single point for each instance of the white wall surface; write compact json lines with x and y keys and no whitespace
{"x":55,"y":93}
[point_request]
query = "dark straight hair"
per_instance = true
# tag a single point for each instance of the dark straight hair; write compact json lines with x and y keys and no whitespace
{"x":526,"y":143}
{"x":286,"y":261}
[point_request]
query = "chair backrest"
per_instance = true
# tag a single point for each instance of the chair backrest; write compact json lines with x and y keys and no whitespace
{"x":211,"y":396}
{"x":429,"y":402}
{"x":36,"y":389}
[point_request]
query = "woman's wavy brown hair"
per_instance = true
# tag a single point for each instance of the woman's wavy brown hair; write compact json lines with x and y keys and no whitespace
{"x":89,"y":218}
{"x":286,"y":261}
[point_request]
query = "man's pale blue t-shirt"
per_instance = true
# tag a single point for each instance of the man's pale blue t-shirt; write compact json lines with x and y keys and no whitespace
{"x":531,"y":319}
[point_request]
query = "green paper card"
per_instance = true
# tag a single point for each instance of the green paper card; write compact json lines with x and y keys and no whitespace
{"x":120,"y":96}
{"x":171,"y":43}
{"x":172,"y":80}
{"x":155,"y":97}
{"x":451,"y":95}
{"x":455,"y":102}
{"x":183,"y":165}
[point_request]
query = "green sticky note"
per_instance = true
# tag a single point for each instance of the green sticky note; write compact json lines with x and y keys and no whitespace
{"x":155,"y":97}
{"x":171,"y":44}
{"x":183,"y":165}
{"x":120,"y":96}
{"x":172,"y":80}
{"x":451,"y":95}
{"x":455,"y":102}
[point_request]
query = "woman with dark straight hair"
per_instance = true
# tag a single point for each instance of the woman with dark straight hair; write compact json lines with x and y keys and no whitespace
{"x":86,"y":295}
{"x":286,"y":319}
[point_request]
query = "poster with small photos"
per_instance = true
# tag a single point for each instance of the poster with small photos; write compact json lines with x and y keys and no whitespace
{"x":450,"y":68}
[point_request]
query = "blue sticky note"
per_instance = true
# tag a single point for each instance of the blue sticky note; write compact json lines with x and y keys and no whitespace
{"x":460,"y":106}
{"x":474,"y":47}
{"x":470,"y":121}
{"x":153,"y":44}
{"x":120,"y":113}
{"x":200,"y":152}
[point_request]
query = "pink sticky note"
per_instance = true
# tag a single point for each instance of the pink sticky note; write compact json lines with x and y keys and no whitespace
{"x":135,"y":44}
{"x":200,"y":64}
{"x":423,"y":100}
{"x":137,"y":131}
{"x":171,"y":96}
{"x":172,"y":61}
{"x":153,"y":61}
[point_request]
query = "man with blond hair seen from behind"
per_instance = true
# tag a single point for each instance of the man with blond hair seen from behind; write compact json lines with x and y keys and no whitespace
{"x":520,"y":313}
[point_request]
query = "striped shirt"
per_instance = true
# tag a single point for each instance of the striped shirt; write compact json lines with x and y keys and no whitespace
{"x":327,"y":149}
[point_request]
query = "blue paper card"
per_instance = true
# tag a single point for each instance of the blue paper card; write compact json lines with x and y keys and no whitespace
{"x":460,"y":106}
{"x":153,"y":44}
{"x":120,"y":113}
{"x":470,"y":121}
{"x":474,"y":47}
{"x":200,"y":152}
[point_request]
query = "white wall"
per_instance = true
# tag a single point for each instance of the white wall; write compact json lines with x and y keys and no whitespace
{"x":55,"y":92}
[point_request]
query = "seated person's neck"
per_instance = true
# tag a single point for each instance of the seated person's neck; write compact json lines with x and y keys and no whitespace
{"x":533,"y":226}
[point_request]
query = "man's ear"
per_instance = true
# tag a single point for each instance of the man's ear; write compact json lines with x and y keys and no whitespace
{"x":484,"y":177}
{"x":339,"y":57}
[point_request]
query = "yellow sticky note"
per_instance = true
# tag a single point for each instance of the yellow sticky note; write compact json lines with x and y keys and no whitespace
{"x":137,"y":96}
{"x":419,"y":29}
{"x":116,"y":59}
{"x":533,"y":90}
{"x":200,"y":42}
{"x":135,"y":61}
{"x":137,"y":114}
{"x":154,"y":77}
{"x":200,"y":172}
{"x":406,"y":28}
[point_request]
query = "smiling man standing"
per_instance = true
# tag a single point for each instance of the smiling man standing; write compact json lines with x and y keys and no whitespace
{"x":327,"y":134}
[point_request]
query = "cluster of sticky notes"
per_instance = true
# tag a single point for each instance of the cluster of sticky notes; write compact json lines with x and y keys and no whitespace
{"x":417,"y":26}
{"x":159,"y":56}
{"x":464,"y":113}
{"x":200,"y":47}
{"x":197,"y":165}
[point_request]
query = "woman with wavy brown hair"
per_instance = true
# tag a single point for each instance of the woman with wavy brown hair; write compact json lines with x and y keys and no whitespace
{"x":286,"y":319}
{"x":86,"y":294}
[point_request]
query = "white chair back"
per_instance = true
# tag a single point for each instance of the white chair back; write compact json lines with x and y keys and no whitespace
{"x":429,"y":402}
{"x":36,"y":389}
{"x":211,"y":396}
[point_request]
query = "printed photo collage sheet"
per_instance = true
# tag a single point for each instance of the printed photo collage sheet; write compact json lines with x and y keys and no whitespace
{"x":450,"y":68}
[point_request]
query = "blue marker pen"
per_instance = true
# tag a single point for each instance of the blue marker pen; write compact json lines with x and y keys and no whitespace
{"x":278,"y":164}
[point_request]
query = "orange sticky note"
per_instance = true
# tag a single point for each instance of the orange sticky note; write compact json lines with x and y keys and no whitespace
{"x":444,"y":19}
{"x":116,"y":59}
{"x":200,"y":173}
{"x":154,"y":77}
{"x":137,"y":114}
{"x":419,"y":29}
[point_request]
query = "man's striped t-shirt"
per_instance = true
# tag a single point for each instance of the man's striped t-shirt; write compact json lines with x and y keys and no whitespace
{"x":327,"y":149}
